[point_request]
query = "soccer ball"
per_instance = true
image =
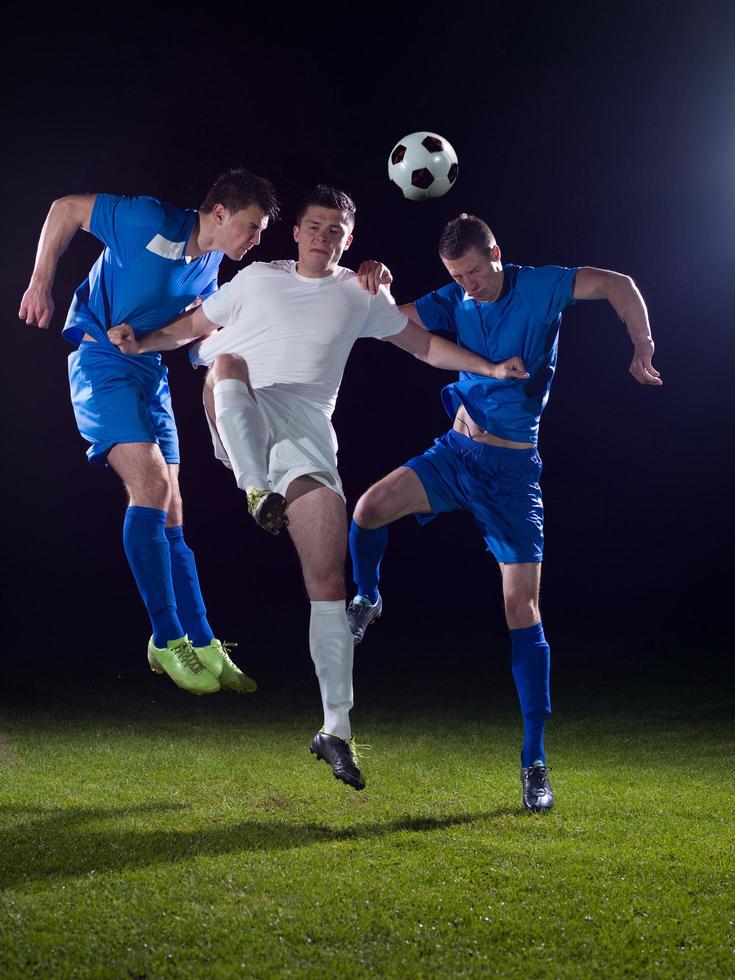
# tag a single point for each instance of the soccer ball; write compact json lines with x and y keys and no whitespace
{"x":423,"y":165}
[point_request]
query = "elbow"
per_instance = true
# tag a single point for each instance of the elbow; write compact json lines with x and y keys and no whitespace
{"x":64,"y":205}
{"x":73,"y":209}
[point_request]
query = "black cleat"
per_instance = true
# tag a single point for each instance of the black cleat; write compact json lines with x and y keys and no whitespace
{"x":268,"y":510}
{"x":338,"y":753}
{"x":360,"y":614}
{"x":538,"y":796}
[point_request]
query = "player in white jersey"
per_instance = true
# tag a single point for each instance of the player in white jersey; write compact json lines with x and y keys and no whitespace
{"x":275,"y":366}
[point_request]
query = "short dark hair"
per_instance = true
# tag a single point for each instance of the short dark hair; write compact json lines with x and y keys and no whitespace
{"x":237,"y":189}
{"x":324,"y":196}
{"x":463,"y":233}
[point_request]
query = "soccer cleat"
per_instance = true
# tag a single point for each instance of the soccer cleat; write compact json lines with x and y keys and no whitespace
{"x":178,"y":659}
{"x":538,"y":795}
{"x":338,"y":752}
{"x":268,"y":510}
{"x":216,"y":658}
{"x":360,"y":614}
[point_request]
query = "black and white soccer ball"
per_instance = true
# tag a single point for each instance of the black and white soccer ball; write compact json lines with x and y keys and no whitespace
{"x":423,"y":165}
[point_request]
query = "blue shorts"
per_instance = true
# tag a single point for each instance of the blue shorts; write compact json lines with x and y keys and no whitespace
{"x":498,"y":486}
{"x":118,"y":398}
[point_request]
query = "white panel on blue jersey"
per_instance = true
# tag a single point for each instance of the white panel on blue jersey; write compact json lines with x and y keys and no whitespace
{"x":166,"y":249}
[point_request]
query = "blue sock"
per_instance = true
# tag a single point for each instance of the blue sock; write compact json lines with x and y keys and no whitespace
{"x":531,"y":661}
{"x":189,"y":602}
{"x":367,"y":548}
{"x":146,"y":547}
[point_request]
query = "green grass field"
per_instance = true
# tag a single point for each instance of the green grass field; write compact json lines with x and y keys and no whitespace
{"x":146,"y":833}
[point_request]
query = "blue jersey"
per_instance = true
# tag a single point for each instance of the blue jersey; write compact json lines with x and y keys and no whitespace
{"x":522,"y":322}
{"x":142,"y":276}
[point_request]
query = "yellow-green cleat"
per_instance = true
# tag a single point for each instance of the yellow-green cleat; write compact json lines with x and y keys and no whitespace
{"x":216,"y":659}
{"x":179,"y":660}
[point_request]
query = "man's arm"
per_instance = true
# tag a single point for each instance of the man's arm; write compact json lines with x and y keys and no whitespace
{"x":622,"y":294}
{"x":413,"y":314}
{"x":66,"y":216}
{"x":440,"y":353}
{"x":193,"y":325}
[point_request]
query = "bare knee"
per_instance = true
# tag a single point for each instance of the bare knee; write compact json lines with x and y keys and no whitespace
{"x":175,"y":507}
{"x":228,"y":367}
{"x":373,"y":509}
{"x":521,"y":609}
{"x":152,"y":491}
{"x":324,"y":585}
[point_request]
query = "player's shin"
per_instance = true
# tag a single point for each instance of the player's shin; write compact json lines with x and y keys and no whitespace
{"x":189,"y":601}
{"x":148,"y":555}
{"x":367,"y":547}
{"x":531,"y":663}
{"x":243,"y":429}
{"x":331,"y":646}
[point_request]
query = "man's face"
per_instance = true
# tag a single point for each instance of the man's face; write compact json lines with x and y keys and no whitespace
{"x":322,"y":236}
{"x":235,"y":234}
{"x":477,"y":273}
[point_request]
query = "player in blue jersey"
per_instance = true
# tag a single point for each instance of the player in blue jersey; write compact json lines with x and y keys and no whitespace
{"x":158,"y":260}
{"x":488,"y":463}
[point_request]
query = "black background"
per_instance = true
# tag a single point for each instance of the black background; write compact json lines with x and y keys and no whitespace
{"x":596,"y":137}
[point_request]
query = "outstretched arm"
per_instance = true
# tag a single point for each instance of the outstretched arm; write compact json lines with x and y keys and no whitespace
{"x":190,"y":326}
{"x":66,"y":216}
{"x":622,"y":294}
{"x":441,"y":353}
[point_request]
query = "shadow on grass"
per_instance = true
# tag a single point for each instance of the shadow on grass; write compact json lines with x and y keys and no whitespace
{"x":61,"y":845}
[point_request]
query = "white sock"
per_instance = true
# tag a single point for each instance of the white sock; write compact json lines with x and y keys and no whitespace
{"x":243,"y":429}
{"x":332,"y":650}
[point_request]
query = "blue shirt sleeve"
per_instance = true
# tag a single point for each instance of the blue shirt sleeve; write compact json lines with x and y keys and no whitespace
{"x":437,"y":309}
{"x":549,"y":289}
{"x":209,"y":289}
{"x":126,"y":224}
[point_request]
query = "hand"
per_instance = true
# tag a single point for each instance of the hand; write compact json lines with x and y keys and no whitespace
{"x":123,"y":337}
{"x":372,"y":275}
{"x":641,"y":367}
{"x":512,"y":369}
{"x":37,"y":306}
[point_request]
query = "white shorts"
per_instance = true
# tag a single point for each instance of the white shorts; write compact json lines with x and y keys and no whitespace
{"x":302,"y":441}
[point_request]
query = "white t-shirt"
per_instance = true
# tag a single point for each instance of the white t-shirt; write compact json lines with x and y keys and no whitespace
{"x":294,"y":330}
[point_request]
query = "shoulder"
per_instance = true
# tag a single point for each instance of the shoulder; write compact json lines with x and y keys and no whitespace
{"x":255,"y":271}
{"x":279,"y":267}
{"x":343,"y":274}
{"x":535,"y":276}
{"x":546,"y":289}
{"x":451,"y":294}
{"x":140,"y":209}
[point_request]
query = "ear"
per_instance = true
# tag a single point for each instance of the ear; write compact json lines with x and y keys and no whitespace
{"x":348,"y":242}
{"x":219,"y":212}
{"x":496,"y":253}
{"x":296,"y":233}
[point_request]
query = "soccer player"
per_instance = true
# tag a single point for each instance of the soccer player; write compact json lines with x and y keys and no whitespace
{"x":274,"y":372}
{"x":157,"y":261}
{"x":488,"y":463}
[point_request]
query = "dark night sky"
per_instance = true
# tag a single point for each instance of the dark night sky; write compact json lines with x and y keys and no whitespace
{"x":601,"y":139}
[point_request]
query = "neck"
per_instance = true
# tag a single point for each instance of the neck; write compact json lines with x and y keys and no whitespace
{"x":308,"y":274}
{"x":197,"y":243}
{"x":498,"y":288}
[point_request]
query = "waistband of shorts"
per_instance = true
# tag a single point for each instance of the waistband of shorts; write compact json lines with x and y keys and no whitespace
{"x":467,"y":444}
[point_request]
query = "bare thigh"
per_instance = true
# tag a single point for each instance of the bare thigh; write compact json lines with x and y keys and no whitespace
{"x":396,"y":495}
{"x":144,"y":471}
{"x":318,"y":529}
